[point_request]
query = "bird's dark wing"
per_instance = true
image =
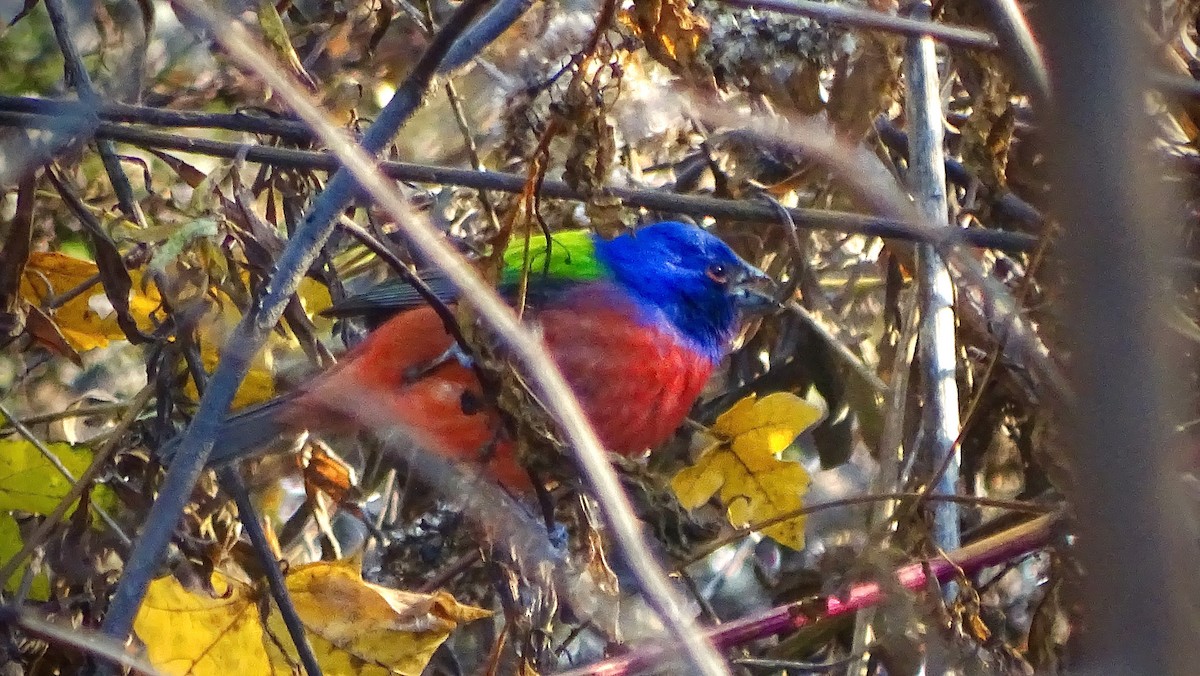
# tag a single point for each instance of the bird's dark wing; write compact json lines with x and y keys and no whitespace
{"x":391,"y":296}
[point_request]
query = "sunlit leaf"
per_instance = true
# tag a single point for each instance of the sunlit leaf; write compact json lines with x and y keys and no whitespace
{"x":742,"y":466}
{"x":42,"y":329}
{"x":87,"y":320}
{"x":314,"y":297}
{"x":193,"y":633}
{"x":354,"y":627}
{"x":362,"y":628}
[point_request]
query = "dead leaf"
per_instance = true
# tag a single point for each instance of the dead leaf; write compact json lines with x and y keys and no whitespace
{"x":671,"y":32}
{"x":87,"y":320}
{"x":329,"y":474}
{"x":42,"y":329}
{"x":362,"y":628}
{"x":743,"y":467}
{"x":190,"y":633}
{"x":277,"y":36}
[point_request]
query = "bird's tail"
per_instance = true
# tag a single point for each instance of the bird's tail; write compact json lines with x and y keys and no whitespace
{"x":243,"y":434}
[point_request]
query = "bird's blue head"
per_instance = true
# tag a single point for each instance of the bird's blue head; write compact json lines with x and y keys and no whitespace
{"x":694,"y":279}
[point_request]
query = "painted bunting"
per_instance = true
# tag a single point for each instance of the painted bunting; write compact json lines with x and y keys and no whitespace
{"x":636,"y":324}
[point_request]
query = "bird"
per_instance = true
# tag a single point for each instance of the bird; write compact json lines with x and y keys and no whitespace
{"x":637,"y":324}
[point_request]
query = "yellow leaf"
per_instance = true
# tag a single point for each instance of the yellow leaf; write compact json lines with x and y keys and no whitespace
{"x":87,"y":320}
{"x":189,"y":633}
{"x":30,"y":482}
{"x":767,"y":425}
{"x":354,"y":627}
{"x":11,"y":543}
{"x":362,"y":628}
{"x":259,"y":383}
{"x":743,"y":470}
{"x":314,"y":297}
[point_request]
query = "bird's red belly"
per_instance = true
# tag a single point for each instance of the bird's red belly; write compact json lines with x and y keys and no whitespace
{"x":636,"y":384}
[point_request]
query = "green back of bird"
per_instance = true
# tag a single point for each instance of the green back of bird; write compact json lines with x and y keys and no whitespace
{"x":572,"y":258}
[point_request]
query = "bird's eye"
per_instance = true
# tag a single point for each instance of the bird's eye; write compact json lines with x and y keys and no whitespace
{"x":718,"y":273}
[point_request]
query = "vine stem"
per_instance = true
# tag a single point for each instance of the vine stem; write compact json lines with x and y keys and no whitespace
{"x":1017,"y":541}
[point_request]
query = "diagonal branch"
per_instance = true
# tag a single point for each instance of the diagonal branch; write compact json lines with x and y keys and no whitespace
{"x":1014,"y":542}
{"x":528,"y":349}
{"x":79,"y":77}
{"x":251,"y":333}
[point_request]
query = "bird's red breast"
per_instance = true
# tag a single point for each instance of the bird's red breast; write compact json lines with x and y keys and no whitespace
{"x":634,"y":381}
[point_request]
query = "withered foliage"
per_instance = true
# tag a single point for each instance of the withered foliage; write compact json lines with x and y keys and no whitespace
{"x":590,"y":96}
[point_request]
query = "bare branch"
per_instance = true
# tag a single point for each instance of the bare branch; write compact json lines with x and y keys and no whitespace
{"x":864,"y":18}
{"x":248,"y":338}
{"x":927,"y":181}
{"x":658,"y":200}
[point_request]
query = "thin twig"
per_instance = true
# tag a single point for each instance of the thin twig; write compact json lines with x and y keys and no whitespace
{"x":232,"y":482}
{"x":1017,"y":541}
{"x":81,"y":412}
{"x":484,"y":32}
{"x":1175,"y":85}
{"x":865,"y":18}
{"x":891,"y":453}
{"x":466,"y":47}
{"x":917,"y":497}
{"x":464,"y":128}
{"x":527,"y":348}
{"x":410,"y":277}
{"x":651,"y":199}
{"x":795,"y":667}
{"x":62,"y":469}
{"x":839,"y":347}
{"x":973,"y":406}
{"x":1005,"y":203}
{"x":99,"y":461}
{"x":250,"y":334}
{"x":285,"y":129}
{"x":114,"y":277}
{"x":87,"y":641}
{"x":79,"y":77}
{"x":861,"y":171}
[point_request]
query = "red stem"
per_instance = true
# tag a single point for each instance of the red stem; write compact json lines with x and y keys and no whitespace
{"x":990,"y":551}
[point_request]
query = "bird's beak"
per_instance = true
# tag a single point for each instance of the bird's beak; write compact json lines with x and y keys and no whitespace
{"x":754,"y":292}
